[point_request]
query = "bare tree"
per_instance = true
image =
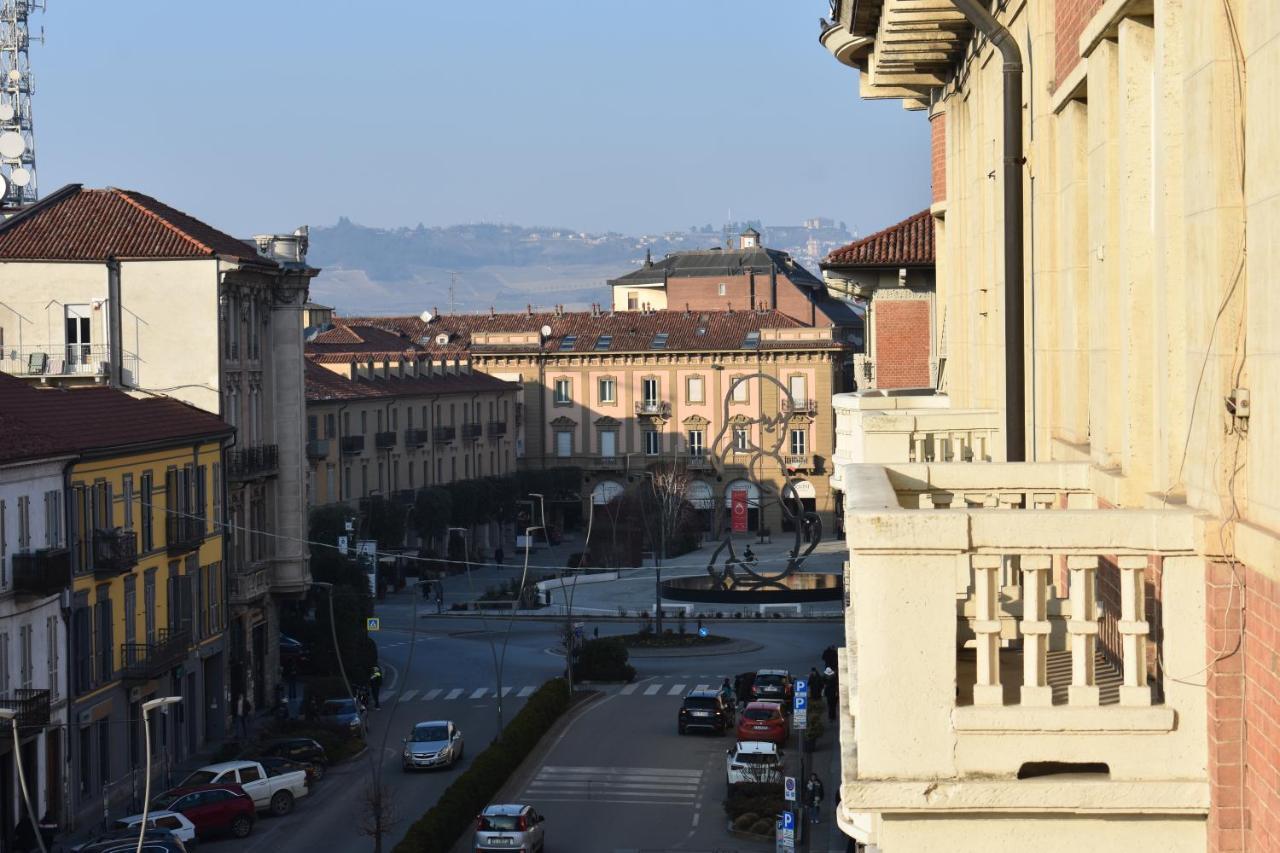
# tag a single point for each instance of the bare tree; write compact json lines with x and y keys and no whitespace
{"x":377,"y":815}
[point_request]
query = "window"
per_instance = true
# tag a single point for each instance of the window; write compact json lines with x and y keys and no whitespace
{"x":364,"y":423}
{"x":53,"y":519}
{"x":568,"y":342}
{"x":24,"y":522}
{"x":26,"y":667}
{"x":102,"y":616}
{"x":564,"y":442}
{"x":364,"y":479}
{"x":652,"y":442}
{"x":752,"y":340}
{"x":649,"y":390}
{"x":659,"y":341}
{"x":329,"y":421}
{"x":720,"y":289}
{"x":603,"y":342}
{"x":379,"y":414}
{"x":694,"y":389}
{"x":633,"y":300}
{"x":346,"y":423}
{"x":130,"y":610}
{"x":126,"y":486}
{"x":51,"y":653}
{"x":799,"y":441}
{"x":313,"y":427}
{"x":4,"y":663}
{"x":608,"y":391}
{"x":695,"y":443}
{"x":148,"y":519}
{"x":4,"y":543}
{"x":796,"y":385}
{"x":740,"y":439}
{"x":395,"y":419}
{"x":346,"y":481}
{"x":149,"y":605}
{"x":564,"y":392}
{"x":740,"y":389}
{"x":608,"y":442}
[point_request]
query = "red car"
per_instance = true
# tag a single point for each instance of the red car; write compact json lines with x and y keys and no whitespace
{"x":214,"y":809}
{"x":763,"y":721}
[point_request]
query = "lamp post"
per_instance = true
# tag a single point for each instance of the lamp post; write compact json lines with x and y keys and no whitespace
{"x":12,"y":716}
{"x":147,"y":707}
{"x":657,"y":556}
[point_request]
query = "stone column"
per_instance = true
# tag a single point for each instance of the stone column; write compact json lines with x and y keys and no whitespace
{"x":987,"y":690}
{"x":1134,"y":629}
{"x":1035,"y":630}
{"x":1083,"y":628}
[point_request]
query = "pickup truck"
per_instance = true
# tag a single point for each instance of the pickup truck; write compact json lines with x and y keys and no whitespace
{"x":271,"y":790}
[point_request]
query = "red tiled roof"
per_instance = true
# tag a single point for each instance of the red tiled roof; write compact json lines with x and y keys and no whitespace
{"x":40,"y":422}
{"x":75,"y":224}
{"x":908,"y":243}
{"x":324,"y":385}
{"x":631,"y":331}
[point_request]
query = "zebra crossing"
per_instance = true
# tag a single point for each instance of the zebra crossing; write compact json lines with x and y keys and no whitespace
{"x":662,"y":688}
{"x":445,"y":694}
{"x":655,"y":786}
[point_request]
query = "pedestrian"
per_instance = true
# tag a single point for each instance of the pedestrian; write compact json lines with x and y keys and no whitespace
{"x":498,"y":556}
{"x":375,"y":686}
{"x":830,"y":658}
{"x":813,"y":796}
{"x":243,"y":709}
{"x":831,"y":692}
{"x":291,"y":676}
{"x":24,"y":835}
{"x":595,"y":632}
{"x":815,"y":682}
{"x":48,"y":829}
{"x":440,"y":601}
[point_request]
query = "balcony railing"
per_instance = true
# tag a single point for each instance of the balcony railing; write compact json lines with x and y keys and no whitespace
{"x":58,"y":361}
{"x":415,"y":437}
{"x":41,"y":573}
{"x":183,"y":533}
{"x":497,"y":429}
{"x":653,"y":408}
{"x":798,"y":462}
{"x":252,"y":463}
{"x":31,"y":706}
{"x":248,"y":585}
{"x":470,"y":432}
{"x":317,"y":449}
{"x":1023,"y":615}
{"x":384,"y":440}
{"x":142,"y":661}
{"x":698,"y":462}
{"x":604,"y":463}
{"x":114,"y":552}
{"x":443,"y":434}
{"x":799,"y":406}
{"x":352,"y":445}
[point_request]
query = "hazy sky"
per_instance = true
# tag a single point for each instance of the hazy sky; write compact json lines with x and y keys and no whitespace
{"x":634,"y":116}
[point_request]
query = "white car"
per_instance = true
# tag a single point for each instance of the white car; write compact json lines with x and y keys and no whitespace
{"x":175,"y":822}
{"x":753,"y":761}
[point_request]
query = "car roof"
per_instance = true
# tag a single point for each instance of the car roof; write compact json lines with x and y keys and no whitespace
{"x":764,"y":703}
{"x":505,"y":809}
{"x":783,"y":672}
{"x":223,"y":766}
{"x":434,"y":723}
{"x":702,"y":694}
{"x":233,"y":787}
{"x":150,"y":815}
{"x":756,"y":746}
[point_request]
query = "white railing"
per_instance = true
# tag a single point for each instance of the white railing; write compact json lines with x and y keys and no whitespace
{"x":58,"y":360}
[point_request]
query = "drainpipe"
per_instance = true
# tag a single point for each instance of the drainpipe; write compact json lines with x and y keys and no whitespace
{"x":1014,"y":368}
{"x":116,"y":333}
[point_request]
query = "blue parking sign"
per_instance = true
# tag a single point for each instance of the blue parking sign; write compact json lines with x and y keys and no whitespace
{"x":788,"y":820}
{"x":802,"y":686}
{"x":802,"y":702}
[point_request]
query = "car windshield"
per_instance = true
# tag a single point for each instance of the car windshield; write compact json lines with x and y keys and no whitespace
{"x":422,"y":734}
{"x":768,"y":680}
{"x":759,"y":713}
{"x":200,"y":777}
{"x":334,"y":707}
{"x":500,"y":822}
{"x":757,"y":758}
{"x":700,"y":702}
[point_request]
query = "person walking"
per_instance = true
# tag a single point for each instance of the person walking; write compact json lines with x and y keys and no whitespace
{"x":831,"y":692}
{"x":815,"y":682}
{"x":830,"y":658}
{"x":813,"y":796}
{"x":375,"y":686}
{"x":498,"y":556}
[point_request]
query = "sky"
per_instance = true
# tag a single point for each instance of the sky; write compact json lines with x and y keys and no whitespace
{"x":261,"y":115}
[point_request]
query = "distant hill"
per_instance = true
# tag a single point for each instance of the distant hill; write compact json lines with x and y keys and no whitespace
{"x":406,"y":270}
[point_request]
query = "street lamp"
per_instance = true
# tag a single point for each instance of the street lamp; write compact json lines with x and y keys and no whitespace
{"x":147,"y":707}
{"x":12,"y":716}
{"x":657,"y":557}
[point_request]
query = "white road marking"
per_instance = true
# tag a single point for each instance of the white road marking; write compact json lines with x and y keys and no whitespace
{"x":479,"y":692}
{"x":525,"y":692}
{"x":407,"y":695}
{"x":507,"y":690}
{"x":453,"y":694}
{"x":630,"y":785}
{"x":676,"y":690}
{"x":431,"y":694}
{"x":629,"y":689}
{"x":652,"y":689}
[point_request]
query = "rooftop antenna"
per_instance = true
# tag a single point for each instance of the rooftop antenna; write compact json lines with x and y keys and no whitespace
{"x":17,"y":137}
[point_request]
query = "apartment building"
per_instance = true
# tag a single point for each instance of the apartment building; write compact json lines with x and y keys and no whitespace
{"x":1074,"y":644}
{"x":614,"y":392}
{"x":112,"y":287}
{"x":144,"y":584}
{"x":389,"y":432}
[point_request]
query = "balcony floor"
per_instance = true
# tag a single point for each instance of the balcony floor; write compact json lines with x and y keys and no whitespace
{"x":1059,"y":670}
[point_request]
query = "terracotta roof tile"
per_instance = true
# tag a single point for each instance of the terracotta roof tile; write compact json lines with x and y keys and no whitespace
{"x":323,"y":385}
{"x":76,"y":224}
{"x":907,"y":243}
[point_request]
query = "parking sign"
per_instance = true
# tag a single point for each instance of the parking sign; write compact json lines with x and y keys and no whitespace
{"x":788,"y":820}
{"x":802,"y":686}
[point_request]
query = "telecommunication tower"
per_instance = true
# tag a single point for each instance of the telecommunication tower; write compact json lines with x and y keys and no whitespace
{"x":17,"y":137}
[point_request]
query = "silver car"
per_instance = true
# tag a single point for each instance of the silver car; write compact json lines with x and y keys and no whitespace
{"x":437,"y":743}
{"x":509,"y":828}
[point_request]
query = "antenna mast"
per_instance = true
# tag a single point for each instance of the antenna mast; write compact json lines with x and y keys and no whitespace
{"x":17,"y":136}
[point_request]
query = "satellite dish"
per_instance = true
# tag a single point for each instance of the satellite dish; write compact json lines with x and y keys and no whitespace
{"x":546,"y":331}
{"x":6,"y":112}
{"x":426,"y":316}
{"x":442,"y":339}
{"x":20,"y":177}
{"x":12,"y":144}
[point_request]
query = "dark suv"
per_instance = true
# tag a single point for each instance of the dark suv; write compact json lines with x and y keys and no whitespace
{"x":705,"y":709}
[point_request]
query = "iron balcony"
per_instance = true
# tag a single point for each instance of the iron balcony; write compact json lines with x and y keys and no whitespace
{"x":318,"y":448}
{"x":497,"y":429}
{"x":114,"y":552}
{"x":443,"y":434}
{"x":183,"y":533}
{"x":470,"y":432}
{"x":251,"y":463}
{"x":41,"y":573}
{"x":143,"y":661}
{"x":352,"y":444}
{"x":415,"y":437}
{"x":32,"y":707}
{"x":657,"y":408}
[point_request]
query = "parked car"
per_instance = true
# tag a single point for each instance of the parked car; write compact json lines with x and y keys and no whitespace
{"x":276,"y":764}
{"x":437,"y":743}
{"x":270,"y":791}
{"x":509,"y":827}
{"x":175,"y":822}
{"x":742,"y":683}
{"x":214,"y":809}
{"x":753,"y":761}
{"x":704,"y":709}
{"x":294,"y":650}
{"x":343,"y":714}
{"x":296,"y":748}
{"x":126,"y":841}
{"x":772,"y":684}
{"x":763,"y":721}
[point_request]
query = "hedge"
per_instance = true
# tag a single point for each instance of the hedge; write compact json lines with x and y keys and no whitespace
{"x":455,"y":812}
{"x":603,"y":659}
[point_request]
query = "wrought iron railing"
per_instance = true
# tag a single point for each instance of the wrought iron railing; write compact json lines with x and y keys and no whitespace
{"x":43,"y":572}
{"x":318,"y":448}
{"x":497,"y":429}
{"x":140,"y":661}
{"x":470,"y":432}
{"x":31,"y":706}
{"x":114,"y":551}
{"x":183,"y":533}
{"x":249,"y":463}
{"x":384,"y":440}
{"x":415,"y":437}
{"x":443,"y":434}
{"x":352,"y":444}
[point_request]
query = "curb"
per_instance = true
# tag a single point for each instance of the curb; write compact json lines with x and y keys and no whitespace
{"x":742,"y":647}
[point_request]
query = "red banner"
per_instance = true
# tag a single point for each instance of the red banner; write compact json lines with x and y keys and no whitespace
{"x":739,"y":497}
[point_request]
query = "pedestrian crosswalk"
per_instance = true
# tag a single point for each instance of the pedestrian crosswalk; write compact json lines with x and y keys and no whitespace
{"x":656,"y":786}
{"x":664,"y":689}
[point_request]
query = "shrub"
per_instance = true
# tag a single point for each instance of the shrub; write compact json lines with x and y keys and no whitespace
{"x":764,"y":826}
{"x":603,"y":659}
{"x":441,"y":826}
{"x":745,"y":821}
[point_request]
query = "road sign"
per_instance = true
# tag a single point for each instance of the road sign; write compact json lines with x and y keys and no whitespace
{"x":802,"y":687}
{"x":789,"y":820}
{"x":801,"y":702}
{"x":789,"y":788}
{"x":800,"y":720}
{"x":342,"y":545}
{"x":373,"y":623}
{"x":704,"y":632}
